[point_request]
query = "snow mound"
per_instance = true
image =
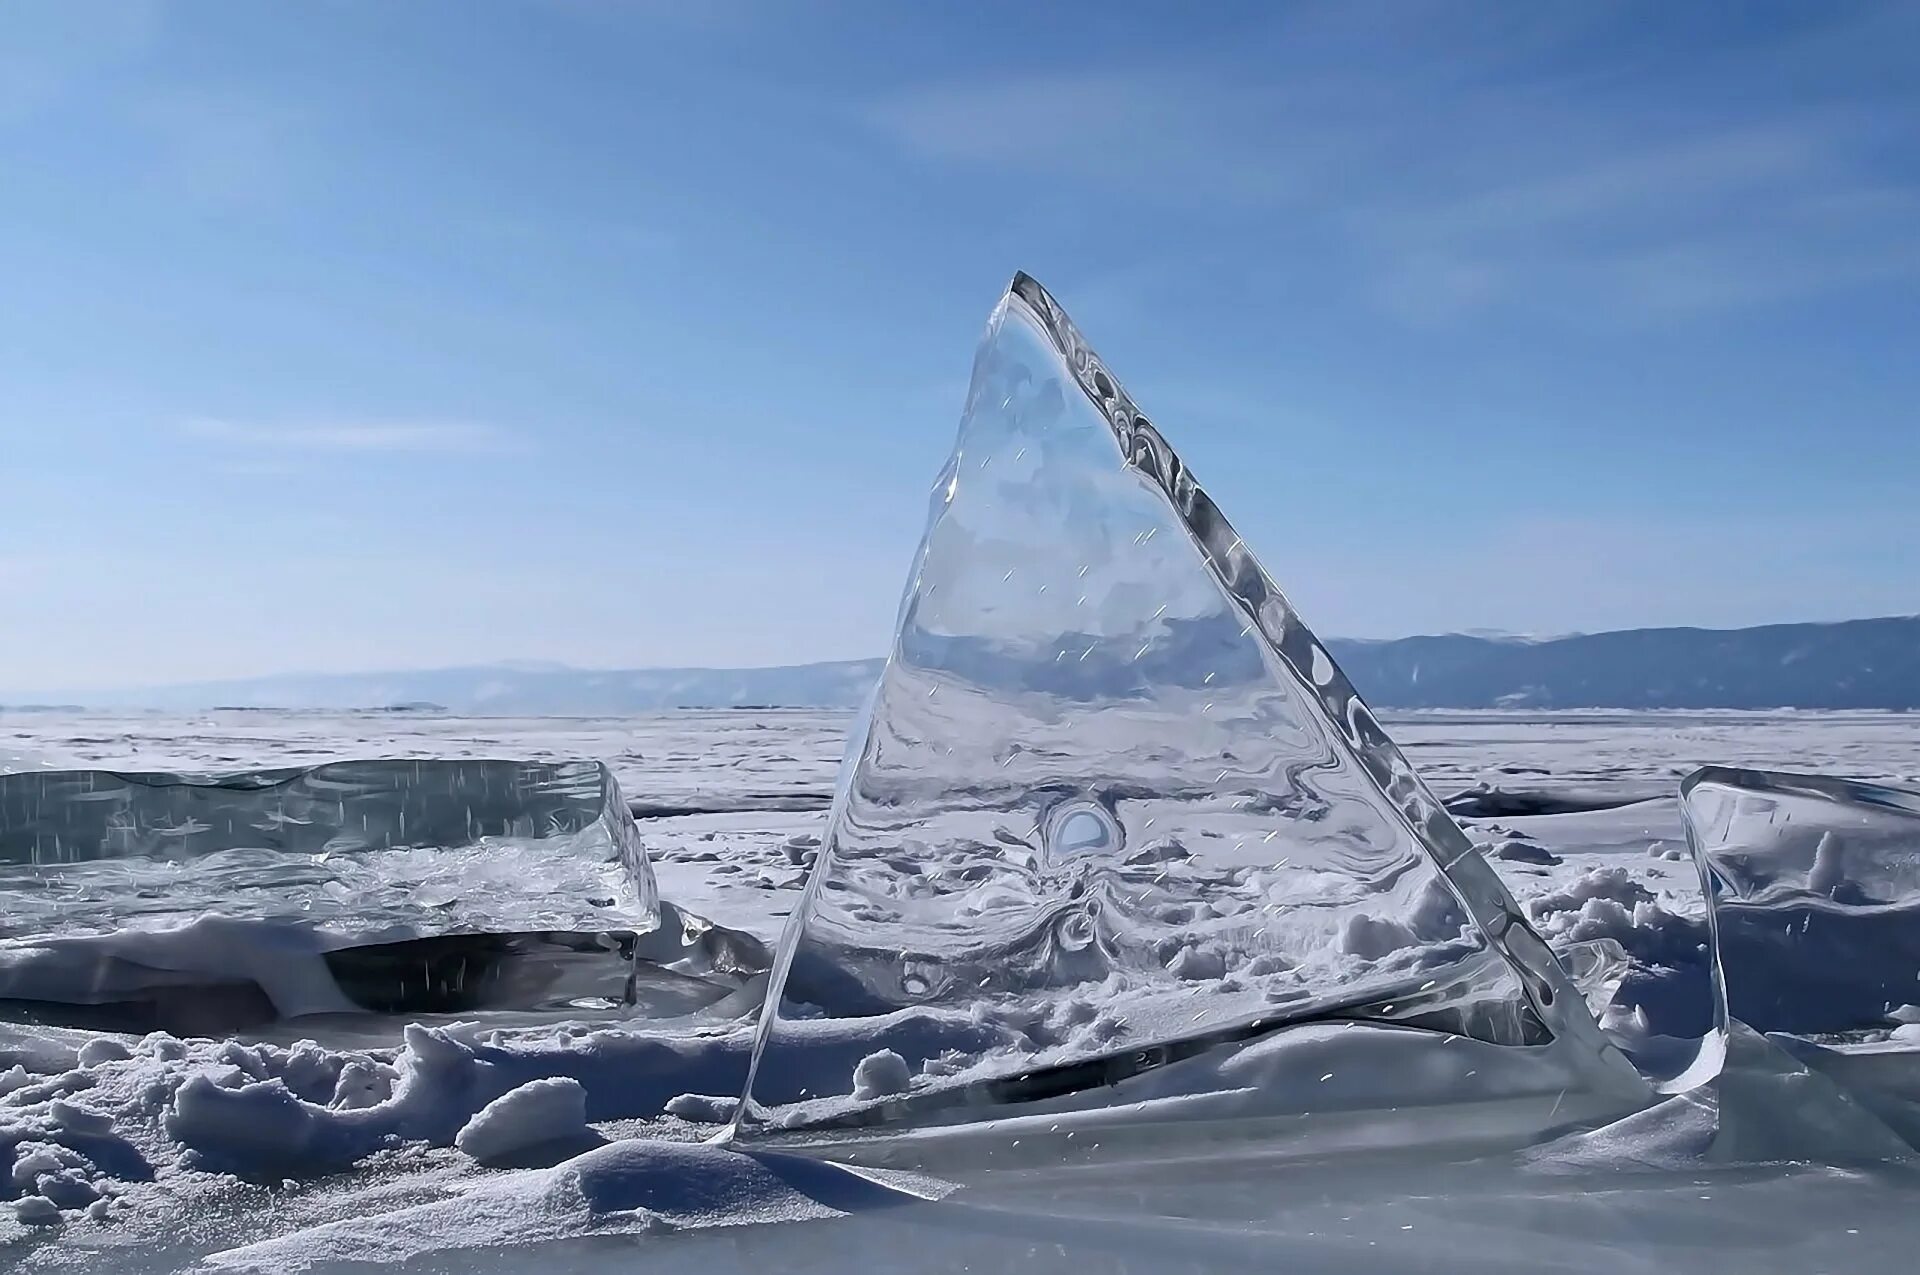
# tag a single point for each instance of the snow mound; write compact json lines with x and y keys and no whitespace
{"x":626,"y":1188}
{"x":881,"y":1074}
{"x":540,"y":1123}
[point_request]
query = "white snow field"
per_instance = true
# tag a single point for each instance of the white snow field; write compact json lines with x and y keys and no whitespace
{"x":1319,"y":1148}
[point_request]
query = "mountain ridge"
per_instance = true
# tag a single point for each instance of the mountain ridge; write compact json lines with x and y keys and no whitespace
{"x":1859,"y":664}
{"x":1848,"y":664}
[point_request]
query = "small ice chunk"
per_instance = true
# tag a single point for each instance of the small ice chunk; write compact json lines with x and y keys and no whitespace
{"x":541,"y":1122}
{"x":1514,"y":850}
{"x":42,"y":1159}
{"x":1371,"y":937}
{"x":1829,"y":868}
{"x":702,"y":1108}
{"x":36,"y":1210}
{"x":1267,"y":964}
{"x":1160,"y":850}
{"x":435,"y":894}
{"x":362,"y":1083}
{"x":103,"y":1049}
{"x":70,"y":1115}
{"x":68,"y":1189}
{"x":1196,"y":964}
{"x":881,"y":1074}
{"x":164,"y":1047}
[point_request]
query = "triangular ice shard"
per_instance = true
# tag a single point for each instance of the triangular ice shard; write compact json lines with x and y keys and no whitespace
{"x":1112,"y":804}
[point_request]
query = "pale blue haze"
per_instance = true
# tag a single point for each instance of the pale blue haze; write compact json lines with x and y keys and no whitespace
{"x":371,"y":335}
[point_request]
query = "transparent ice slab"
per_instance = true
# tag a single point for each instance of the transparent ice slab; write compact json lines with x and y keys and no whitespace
{"x":385,"y":886}
{"x":365,"y":846}
{"x":1112,"y":802}
{"x":1815,"y":890}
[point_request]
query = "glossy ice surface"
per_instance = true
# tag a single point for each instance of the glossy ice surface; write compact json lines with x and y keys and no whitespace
{"x":1815,"y":884}
{"x":1107,"y":765}
{"x":362,"y":847}
{"x":216,"y":903}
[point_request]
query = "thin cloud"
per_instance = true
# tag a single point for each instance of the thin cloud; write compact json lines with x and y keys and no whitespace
{"x":1450,"y":174}
{"x":59,"y":51}
{"x":1705,"y":221}
{"x":224,"y":149}
{"x":438,"y":438}
{"x":1195,"y":135}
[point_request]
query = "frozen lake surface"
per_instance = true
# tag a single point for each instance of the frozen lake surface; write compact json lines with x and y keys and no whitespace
{"x":171,"y":1153}
{"x":729,"y":756}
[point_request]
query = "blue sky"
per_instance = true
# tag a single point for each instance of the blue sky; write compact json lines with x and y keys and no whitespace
{"x":372,"y":335}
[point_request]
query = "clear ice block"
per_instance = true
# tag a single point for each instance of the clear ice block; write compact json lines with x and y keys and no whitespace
{"x":385,"y":886}
{"x":1112,"y":803}
{"x":1815,"y":890}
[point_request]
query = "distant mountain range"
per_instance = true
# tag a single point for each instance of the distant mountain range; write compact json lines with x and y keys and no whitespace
{"x":1871,"y":664}
{"x":510,"y":688}
{"x":1852,"y":664}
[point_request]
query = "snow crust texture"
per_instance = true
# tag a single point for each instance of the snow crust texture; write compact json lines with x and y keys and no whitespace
{"x":337,"y":1148}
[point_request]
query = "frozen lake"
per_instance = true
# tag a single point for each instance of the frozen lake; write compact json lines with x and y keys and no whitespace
{"x":729,"y":757}
{"x":722,"y":798}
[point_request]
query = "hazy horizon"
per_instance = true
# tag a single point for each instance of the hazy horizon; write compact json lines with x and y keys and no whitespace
{"x":327,"y":348}
{"x":537,"y":665}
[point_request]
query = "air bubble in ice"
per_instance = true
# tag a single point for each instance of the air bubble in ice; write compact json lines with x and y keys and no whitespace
{"x":1082,"y":828}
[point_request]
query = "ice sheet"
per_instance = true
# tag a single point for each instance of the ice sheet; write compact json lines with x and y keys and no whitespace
{"x":1637,"y":1205}
{"x":379,"y":849}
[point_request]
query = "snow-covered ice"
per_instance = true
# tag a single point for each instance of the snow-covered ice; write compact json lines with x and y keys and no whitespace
{"x":142,"y":1177}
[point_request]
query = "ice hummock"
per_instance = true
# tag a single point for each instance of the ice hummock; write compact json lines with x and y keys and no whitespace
{"x":204,"y":903}
{"x":1114,"y":796}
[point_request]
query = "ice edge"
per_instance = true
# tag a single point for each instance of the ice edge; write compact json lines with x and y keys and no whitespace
{"x":1308,"y":663}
